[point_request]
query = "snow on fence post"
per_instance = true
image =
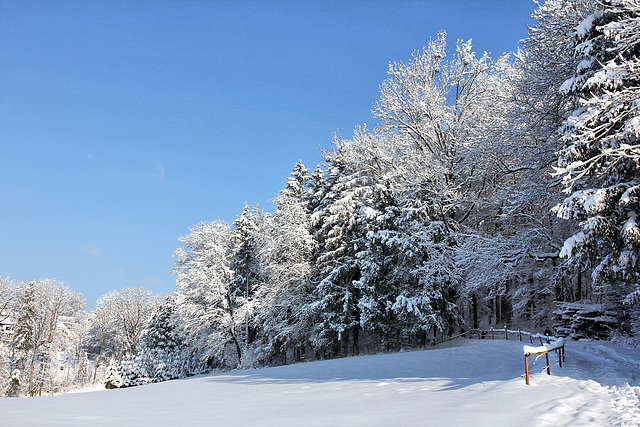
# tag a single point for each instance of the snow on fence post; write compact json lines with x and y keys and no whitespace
{"x":543,"y":349}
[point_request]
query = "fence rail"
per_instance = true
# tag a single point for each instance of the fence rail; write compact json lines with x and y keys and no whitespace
{"x":500,"y":333}
{"x":557,"y":346}
{"x":552,"y":344}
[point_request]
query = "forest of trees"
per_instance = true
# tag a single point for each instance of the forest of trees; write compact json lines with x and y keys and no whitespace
{"x":491,"y":192}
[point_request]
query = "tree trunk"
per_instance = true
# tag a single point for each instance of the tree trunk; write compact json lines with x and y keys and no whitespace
{"x":422,"y":338}
{"x":238,"y":349}
{"x":579,"y":287}
{"x":231,"y":329}
{"x":33,"y":363}
{"x":95,"y":371}
{"x":474,"y":308}
{"x":356,"y":340}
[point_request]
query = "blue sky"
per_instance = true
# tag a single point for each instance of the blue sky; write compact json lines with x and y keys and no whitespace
{"x":125,"y":123}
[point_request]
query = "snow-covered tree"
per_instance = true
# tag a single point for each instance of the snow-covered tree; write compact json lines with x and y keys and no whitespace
{"x":120,"y":317}
{"x":13,"y":388}
{"x":341,"y":222}
{"x":599,"y":162}
{"x":509,"y":249}
{"x":104,"y":338}
{"x":384,"y":264}
{"x":409,"y":275}
{"x":39,"y":331}
{"x":246,"y":271}
{"x":135,"y":307}
{"x":161,"y":345}
{"x":439,"y":105}
{"x":445,"y":115}
{"x":7,"y":294}
{"x":204,"y":293}
{"x":284,"y":246}
{"x":162,"y":334}
{"x":160,"y":353}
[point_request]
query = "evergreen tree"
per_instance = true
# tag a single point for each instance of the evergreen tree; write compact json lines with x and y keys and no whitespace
{"x":599,"y":162}
{"x":161,"y":345}
{"x":162,"y":334}
{"x":13,"y":389}
{"x":244,"y":259}
{"x":284,"y":246}
{"x":245,"y":269}
{"x":341,"y":228}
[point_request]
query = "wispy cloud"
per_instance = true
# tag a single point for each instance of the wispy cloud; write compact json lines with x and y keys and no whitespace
{"x":92,"y":250}
{"x":91,"y":158}
{"x":158,"y":172}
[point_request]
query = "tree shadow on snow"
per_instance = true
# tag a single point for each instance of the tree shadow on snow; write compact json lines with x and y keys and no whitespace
{"x":447,"y":369}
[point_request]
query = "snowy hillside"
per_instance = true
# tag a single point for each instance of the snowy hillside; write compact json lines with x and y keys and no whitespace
{"x":473,"y":383}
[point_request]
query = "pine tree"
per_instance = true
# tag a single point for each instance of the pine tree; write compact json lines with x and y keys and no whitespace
{"x":161,"y":346}
{"x":340,"y":231}
{"x":13,"y":389}
{"x":245,"y":269}
{"x":600,"y":160}
{"x":284,"y":247}
{"x":354,"y":291}
{"x":161,"y":334}
{"x":113,"y":378}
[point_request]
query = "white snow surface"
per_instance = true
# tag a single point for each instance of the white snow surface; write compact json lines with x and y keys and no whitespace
{"x":473,"y":382}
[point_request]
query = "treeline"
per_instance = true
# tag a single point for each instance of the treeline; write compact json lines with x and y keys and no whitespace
{"x":449,"y":214}
{"x":50,"y":344}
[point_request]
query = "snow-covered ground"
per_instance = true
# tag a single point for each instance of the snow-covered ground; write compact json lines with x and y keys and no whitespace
{"x":475,"y":382}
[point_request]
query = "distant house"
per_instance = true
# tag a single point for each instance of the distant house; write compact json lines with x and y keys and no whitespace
{"x":65,"y":325}
{"x":6,"y":328}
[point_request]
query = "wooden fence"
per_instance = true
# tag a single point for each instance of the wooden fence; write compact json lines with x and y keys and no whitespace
{"x":552,"y":344}
{"x":557,"y":346}
{"x":500,"y":333}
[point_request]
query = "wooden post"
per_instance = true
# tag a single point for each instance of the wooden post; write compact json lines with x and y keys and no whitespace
{"x":540,"y":340}
{"x":520,"y":334}
{"x":546,"y":355}
{"x":526,"y":369}
{"x":492,"y":337}
{"x":506,"y":333}
{"x":560,"y":356}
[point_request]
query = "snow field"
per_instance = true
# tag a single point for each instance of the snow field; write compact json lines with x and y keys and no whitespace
{"x":475,"y":383}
